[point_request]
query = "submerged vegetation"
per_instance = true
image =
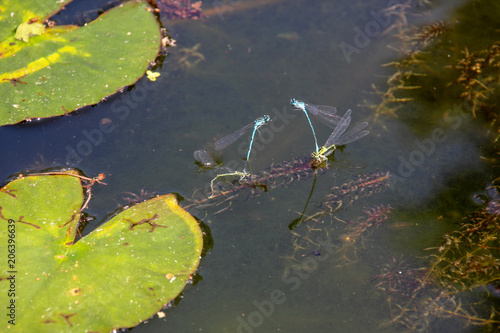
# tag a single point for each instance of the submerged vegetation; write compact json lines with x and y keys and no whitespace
{"x":180,"y":9}
{"x":440,"y":66}
{"x":461,"y":281}
{"x":449,"y":67}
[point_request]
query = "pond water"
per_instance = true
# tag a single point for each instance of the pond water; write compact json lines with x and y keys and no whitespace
{"x":359,"y":263}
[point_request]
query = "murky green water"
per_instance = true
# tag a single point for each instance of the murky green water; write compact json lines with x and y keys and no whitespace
{"x":348,"y":275}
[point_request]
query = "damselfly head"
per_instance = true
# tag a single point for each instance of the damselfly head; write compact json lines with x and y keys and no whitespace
{"x":297,"y":104}
{"x":261,"y":121}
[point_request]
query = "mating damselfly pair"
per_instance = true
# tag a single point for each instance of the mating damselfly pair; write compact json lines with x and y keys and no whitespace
{"x":327,"y":114}
{"x":204,"y":158}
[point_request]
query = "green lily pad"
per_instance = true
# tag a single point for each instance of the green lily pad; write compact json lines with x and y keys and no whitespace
{"x":118,"y":275}
{"x":56,"y":70}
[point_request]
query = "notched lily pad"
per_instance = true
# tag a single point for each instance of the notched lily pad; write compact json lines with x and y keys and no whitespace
{"x":50,"y":71}
{"x":120,"y":274}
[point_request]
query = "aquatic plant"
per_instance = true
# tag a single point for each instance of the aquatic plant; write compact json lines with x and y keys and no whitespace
{"x":362,"y":227}
{"x":180,"y":9}
{"x":279,"y":175}
{"x":477,"y":75}
{"x":398,"y":276}
{"x":118,"y":275}
{"x":434,"y":57}
{"x":425,"y":35}
{"x":105,"y":55}
{"x":348,"y":235}
{"x":186,"y":58}
{"x":408,"y":40}
{"x":143,"y":195}
{"x":470,"y":256}
{"x":361,"y":186}
{"x":460,"y":283}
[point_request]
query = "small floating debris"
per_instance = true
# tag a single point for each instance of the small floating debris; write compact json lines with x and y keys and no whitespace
{"x":291,"y":36}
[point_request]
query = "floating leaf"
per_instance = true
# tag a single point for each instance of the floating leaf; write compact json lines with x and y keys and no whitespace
{"x":67,"y":67}
{"x":120,"y":274}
